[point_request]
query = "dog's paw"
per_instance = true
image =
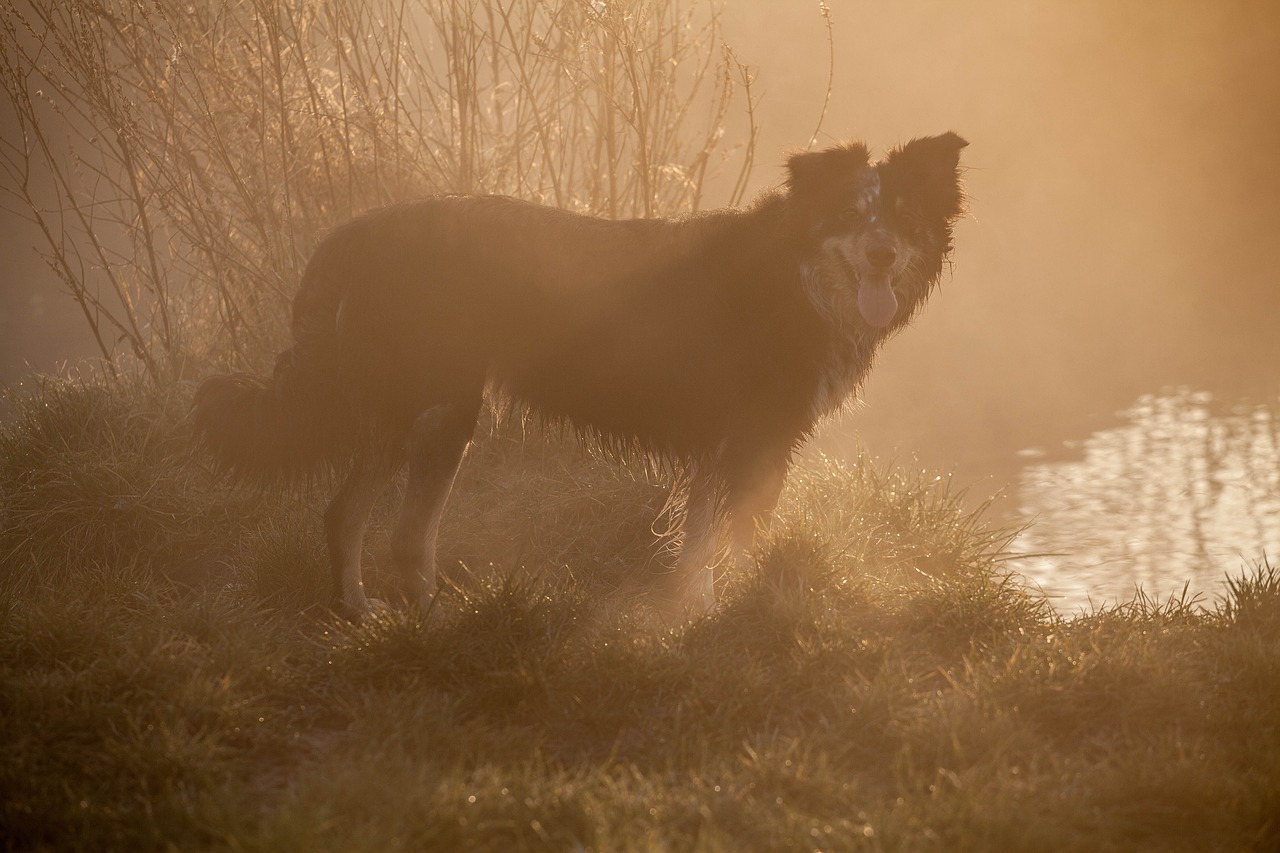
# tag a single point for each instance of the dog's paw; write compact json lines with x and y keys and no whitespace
{"x":360,"y":610}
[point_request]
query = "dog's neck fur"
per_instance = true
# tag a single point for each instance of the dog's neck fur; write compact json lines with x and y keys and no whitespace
{"x":852,"y":344}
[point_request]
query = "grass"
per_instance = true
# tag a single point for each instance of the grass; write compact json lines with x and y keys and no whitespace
{"x":877,"y":683}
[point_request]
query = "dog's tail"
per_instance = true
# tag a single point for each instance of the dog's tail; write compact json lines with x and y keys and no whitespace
{"x":265,"y":430}
{"x":302,"y":418}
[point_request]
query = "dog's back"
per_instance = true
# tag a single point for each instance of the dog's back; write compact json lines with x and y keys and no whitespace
{"x":655,"y":332}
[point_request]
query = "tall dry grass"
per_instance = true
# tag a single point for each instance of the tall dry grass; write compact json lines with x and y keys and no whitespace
{"x":181,"y":159}
{"x":877,"y":683}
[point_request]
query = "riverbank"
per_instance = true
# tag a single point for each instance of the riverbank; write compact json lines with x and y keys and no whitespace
{"x":879,"y":682}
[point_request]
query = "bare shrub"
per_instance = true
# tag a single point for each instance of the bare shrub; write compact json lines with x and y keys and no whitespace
{"x":183,"y":158}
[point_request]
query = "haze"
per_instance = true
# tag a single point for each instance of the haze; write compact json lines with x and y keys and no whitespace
{"x":1124,"y":191}
{"x":1124,"y":185}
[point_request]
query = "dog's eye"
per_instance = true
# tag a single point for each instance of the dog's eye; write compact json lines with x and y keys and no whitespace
{"x":908,"y":216}
{"x":857,"y":210}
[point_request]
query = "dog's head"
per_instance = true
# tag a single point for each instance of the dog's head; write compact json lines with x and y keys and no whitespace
{"x":882,"y":230}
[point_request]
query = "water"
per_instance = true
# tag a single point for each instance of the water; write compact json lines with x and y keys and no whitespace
{"x":1183,"y":490}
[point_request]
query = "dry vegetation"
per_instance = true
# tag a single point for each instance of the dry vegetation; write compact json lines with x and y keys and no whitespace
{"x":182,"y":159}
{"x":169,"y":680}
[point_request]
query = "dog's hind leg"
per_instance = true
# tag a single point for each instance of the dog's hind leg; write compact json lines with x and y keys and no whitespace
{"x":346,"y":518}
{"x":437,"y":444}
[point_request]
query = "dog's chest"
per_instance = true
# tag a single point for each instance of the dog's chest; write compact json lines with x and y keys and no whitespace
{"x":846,"y":358}
{"x":839,"y":377}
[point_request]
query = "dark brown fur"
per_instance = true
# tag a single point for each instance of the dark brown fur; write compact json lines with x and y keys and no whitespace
{"x":717,"y":340}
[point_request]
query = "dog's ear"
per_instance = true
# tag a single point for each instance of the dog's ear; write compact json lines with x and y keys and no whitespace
{"x":929,"y":170}
{"x":817,"y":172}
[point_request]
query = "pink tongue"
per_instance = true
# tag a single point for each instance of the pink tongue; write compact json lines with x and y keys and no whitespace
{"x":876,"y":300}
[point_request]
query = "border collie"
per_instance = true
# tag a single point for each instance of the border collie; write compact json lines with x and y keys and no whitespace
{"x":715,"y":342}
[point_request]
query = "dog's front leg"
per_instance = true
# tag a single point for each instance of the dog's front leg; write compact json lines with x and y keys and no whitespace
{"x":752,"y":492}
{"x":690,"y":586}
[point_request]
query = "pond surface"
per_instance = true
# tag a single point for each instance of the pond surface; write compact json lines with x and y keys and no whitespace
{"x":1183,"y":489}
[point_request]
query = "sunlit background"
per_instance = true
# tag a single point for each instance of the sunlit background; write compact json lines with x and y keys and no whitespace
{"x":1103,"y":352}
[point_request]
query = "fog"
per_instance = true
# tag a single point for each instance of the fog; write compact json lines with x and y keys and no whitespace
{"x":1124,"y":196}
{"x":1123,"y":180}
{"x":1120,"y":257}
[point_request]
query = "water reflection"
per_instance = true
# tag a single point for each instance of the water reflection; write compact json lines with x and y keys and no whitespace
{"x":1185,"y":490}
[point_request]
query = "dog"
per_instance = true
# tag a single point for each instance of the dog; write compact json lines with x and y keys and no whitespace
{"x":716,"y":341}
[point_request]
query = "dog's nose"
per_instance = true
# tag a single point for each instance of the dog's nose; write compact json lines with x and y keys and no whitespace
{"x":881,"y":256}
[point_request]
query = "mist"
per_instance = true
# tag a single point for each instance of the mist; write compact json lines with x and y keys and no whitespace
{"x":1123,"y":196}
{"x":879,"y":670}
{"x":1123,"y":190}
